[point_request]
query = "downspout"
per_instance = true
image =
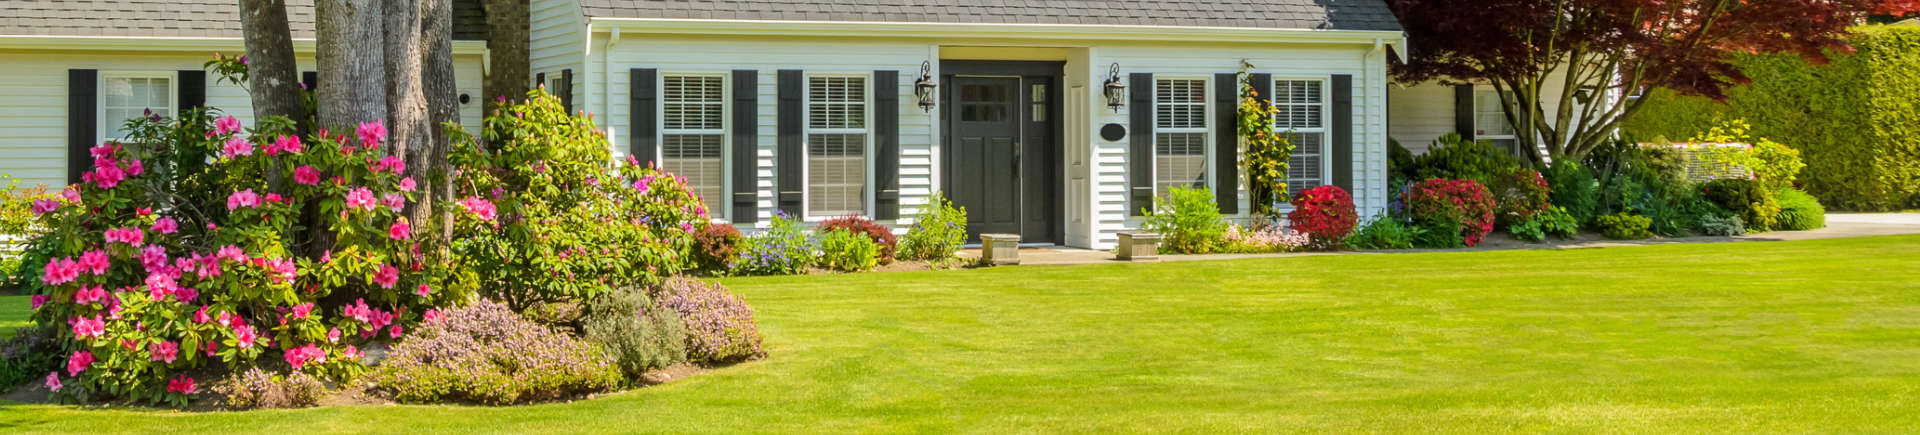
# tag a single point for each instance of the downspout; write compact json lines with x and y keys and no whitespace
{"x":606,"y":83}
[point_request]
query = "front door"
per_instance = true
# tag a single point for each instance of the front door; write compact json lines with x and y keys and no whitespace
{"x":985,"y":153}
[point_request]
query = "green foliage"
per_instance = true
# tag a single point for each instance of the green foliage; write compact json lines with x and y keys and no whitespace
{"x":1518,"y":194}
{"x":1722,"y":225}
{"x":1267,"y":153}
{"x":1464,"y":204}
{"x":1574,"y":188}
{"x":1799,"y":211}
{"x":1746,"y":199}
{"x":1188,"y":221}
{"x":889,"y":243}
{"x":848,"y":251}
{"x":1437,"y":233}
{"x":1852,"y":119}
{"x":781,"y":249}
{"x":1622,"y":226}
{"x":1452,"y":157}
{"x":638,"y":333}
{"x":716,"y":247}
{"x":1384,"y":233}
{"x":1553,"y":222}
{"x":485,"y":353}
{"x":937,"y":234}
{"x":571,"y":222}
{"x":1776,"y":166}
{"x":29,"y":355}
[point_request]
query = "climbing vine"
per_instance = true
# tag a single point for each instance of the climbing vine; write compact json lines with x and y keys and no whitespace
{"x":1265,"y":159}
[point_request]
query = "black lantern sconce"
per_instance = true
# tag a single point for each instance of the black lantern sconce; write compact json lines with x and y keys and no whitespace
{"x":1116,"y":90}
{"x":924,"y":87}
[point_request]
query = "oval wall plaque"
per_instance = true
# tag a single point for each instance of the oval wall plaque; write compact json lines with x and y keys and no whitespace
{"x":1113,"y":132}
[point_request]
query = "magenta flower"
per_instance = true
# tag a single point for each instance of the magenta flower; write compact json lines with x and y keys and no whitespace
{"x":130,"y":236}
{"x":134,"y":168}
{"x":94,"y":261}
{"x":105,"y":176}
{"x":394,"y":331}
{"x":386,"y":277}
{"x":303,"y":310}
{"x":185,"y":294}
{"x":299,"y":356}
{"x":182,"y":385}
{"x":350,"y":353}
{"x":79,"y":362}
{"x":88,"y":295}
{"x":44,"y":206}
{"x":201,"y":316}
{"x":226,"y":124}
{"x":154,"y":257}
{"x":165,"y":351}
{"x":61,"y":271}
{"x":89,"y":328}
{"x":287,"y":143}
{"x":391,"y":163}
{"x":236,"y":147}
{"x":244,"y":334}
{"x":244,"y":198}
{"x":281,"y":270}
{"x":357,"y":311}
{"x":165,"y":225}
{"x":432,"y":316}
{"x":400,"y":230}
{"x":70,"y":195}
{"x":406,"y":184}
{"x":372,"y":133}
{"x":105,"y":150}
{"x":333,"y":335}
{"x":306,"y":175}
{"x":41,"y":300}
{"x":479,"y":207}
{"x":394,"y":201}
{"x":53,"y":381}
{"x":423,"y":290}
{"x":231,"y":252}
{"x":360,"y":198}
{"x":160,"y":286}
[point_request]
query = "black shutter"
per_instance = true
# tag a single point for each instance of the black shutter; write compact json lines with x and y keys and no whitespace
{"x":192,"y":89}
{"x":540,"y":82}
{"x":1140,"y":149}
{"x":1226,"y":142}
{"x":792,"y":147}
{"x":746,"y":140}
{"x":566,"y":96}
{"x":83,"y":120}
{"x":886,"y":141}
{"x":1263,"y":86}
{"x":1342,"y":132}
{"x":642,"y":94}
{"x":1463,"y":111}
{"x":312,"y":80}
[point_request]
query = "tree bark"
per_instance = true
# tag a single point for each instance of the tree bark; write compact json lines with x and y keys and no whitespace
{"x":406,"y":97}
{"x":353,"y":75}
{"x":507,"y":44}
{"x":443,"y":110}
{"x":272,"y":76}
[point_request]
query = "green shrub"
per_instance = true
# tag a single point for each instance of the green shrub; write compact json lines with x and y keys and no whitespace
{"x":848,"y":251}
{"x":1452,"y":157}
{"x":1724,"y":226}
{"x":258,"y":389}
{"x":781,"y":249}
{"x":485,"y":353}
{"x":29,"y":355}
{"x":1383,"y":232}
{"x":1799,"y":211}
{"x":1622,"y":226}
{"x":1851,"y":119}
{"x":1439,"y":233}
{"x":1188,"y":222}
{"x":639,"y":334}
{"x":873,"y":230}
{"x":719,"y":325}
{"x":937,"y":234}
{"x":716,"y":247}
{"x":1575,"y":189}
{"x":1553,"y":222}
{"x":1518,"y":194}
{"x":1747,"y":199}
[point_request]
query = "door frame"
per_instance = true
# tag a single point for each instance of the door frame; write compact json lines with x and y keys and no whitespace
{"x":1055,"y":72}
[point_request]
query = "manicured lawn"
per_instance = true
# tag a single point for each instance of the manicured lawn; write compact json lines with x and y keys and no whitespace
{"x":1819,"y":336}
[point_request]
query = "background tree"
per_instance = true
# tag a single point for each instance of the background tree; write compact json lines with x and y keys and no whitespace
{"x":1518,"y":46}
{"x":353,"y":75}
{"x":272,"y":77}
{"x":443,"y":109}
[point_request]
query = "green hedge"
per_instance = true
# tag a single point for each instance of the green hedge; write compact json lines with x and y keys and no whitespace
{"x":1856,"y":121}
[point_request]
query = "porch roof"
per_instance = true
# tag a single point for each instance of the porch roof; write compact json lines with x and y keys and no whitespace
{"x":1267,"y":14}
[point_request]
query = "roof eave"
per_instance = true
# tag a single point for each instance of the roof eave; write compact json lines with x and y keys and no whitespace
{"x":995,"y":30}
{"x":183,"y":43}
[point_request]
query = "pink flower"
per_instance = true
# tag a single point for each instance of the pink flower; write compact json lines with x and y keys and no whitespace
{"x":333,"y":335}
{"x":103,"y":151}
{"x":432,"y":316}
{"x":281,"y":270}
{"x":306,"y":175}
{"x":244,"y":198}
{"x":201,"y":316}
{"x":130,"y":236}
{"x":400,"y":230}
{"x":61,"y":271}
{"x":165,"y":225}
{"x":39,"y":300}
{"x":94,"y":261}
{"x":350,"y":353}
{"x":153,"y":257}
{"x":89,"y":328}
{"x":287,"y":143}
{"x":182,"y":385}
{"x":105,"y":176}
{"x":386,"y":277}
{"x":357,"y":311}
{"x":423,"y":290}
{"x":79,"y":362}
{"x":406,"y":184}
{"x":185,"y":294}
{"x":230,"y":252}
{"x":479,"y":207}
{"x":53,"y":381}
{"x":159,"y":286}
{"x":165,"y":351}
{"x":44,"y":206}
{"x":394,"y":332}
{"x":299,"y":356}
{"x":226,"y":319}
{"x":212,"y":346}
{"x":372,"y":133}
{"x":226,"y":124}
{"x":360,"y":198}
{"x":70,"y":195}
{"x":236,"y":147}
{"x":394,"y":201}
{"x":88,"y":295}
{"x":391,"y":163}
{"x":244,"y":334}
{"x":380,"y":318}
{"x":303,"y":310}
{"x":134,"y":168}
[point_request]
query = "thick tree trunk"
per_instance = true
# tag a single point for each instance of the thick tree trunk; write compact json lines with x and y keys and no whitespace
{"x":443,"y":108}
{"x":273,"y":77}
{"x":507,"y":44}
{"x":351,"y":63}
{"x":406,"y":98}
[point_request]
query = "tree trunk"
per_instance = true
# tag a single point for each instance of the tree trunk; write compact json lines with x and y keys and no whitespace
{"x":507,"y":44}
{"x":443,"y":108}
{"x":406,"y":99}
{"x":272,"y":77}
{"x":349,"y":48}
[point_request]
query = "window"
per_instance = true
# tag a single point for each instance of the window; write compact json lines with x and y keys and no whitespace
{"x":1180,"y":134}
{"x":128,"y":96}
{"x":836,"y":146}
{"x":1490,"y":121}
{"x":1300,"y":110}
{"x":693,"y":135}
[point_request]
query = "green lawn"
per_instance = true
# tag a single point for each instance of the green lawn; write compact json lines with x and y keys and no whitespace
{"x":1819,"y":336}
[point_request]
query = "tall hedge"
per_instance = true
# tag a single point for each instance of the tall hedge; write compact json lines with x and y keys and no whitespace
{"x":1856,"y":120}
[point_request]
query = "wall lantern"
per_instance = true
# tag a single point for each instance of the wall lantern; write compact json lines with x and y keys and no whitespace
{"x":1116,"y":90}
{"x":923,"y":88}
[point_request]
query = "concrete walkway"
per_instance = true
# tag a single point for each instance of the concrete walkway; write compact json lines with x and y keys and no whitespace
{"x":1839,"y":226}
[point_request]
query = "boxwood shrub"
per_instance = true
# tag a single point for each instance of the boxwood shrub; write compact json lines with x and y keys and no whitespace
{"x":1799,"y":211}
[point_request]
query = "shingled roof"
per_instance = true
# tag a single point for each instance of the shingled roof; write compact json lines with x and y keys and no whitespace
{"x":1276,"y":14}
{"x":176,"y":18}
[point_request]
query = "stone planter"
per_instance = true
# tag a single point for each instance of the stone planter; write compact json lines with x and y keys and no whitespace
{"x":999,"y":249}
{"x":1139,"y":246}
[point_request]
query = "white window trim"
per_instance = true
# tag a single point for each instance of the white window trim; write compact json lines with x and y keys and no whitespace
{"x":101,"y":124}
{"x":807,"y":131}
{"x":1477,"y":128}
{"x":1326,"y":113}
{"x":1206,"y":116}
{"x":726,"y":139}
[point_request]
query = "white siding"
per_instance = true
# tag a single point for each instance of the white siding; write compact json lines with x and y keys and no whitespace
{"x":1421,"y":114}
{"x":557,"y":40}
{"x":33,"y":121}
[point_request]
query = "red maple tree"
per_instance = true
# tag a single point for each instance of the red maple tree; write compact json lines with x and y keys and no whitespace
{"x":1593,"y":47}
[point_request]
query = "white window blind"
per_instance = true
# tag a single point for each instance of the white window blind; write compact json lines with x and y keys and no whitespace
{"x":836,"y":146}
{"x":1180,"y":134}
{"x":1490,"y":121}
{"x":130,"y":96}
{"x":693,"y":135}
{"x":1300,"y":113}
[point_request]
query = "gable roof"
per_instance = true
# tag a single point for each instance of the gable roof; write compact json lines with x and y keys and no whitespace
{"x":176,"y":18}
{"x":1274,"y":14}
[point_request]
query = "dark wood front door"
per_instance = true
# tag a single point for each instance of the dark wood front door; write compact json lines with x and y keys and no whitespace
{"x":1002,"y":153}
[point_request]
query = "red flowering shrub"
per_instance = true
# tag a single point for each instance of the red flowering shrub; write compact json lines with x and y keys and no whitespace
{"x":1462,"y":204}
{"x":1325,"y":213}
{"x":716,"y":247}
{"x":860,"y":225}
{"x":1518,"y":195}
